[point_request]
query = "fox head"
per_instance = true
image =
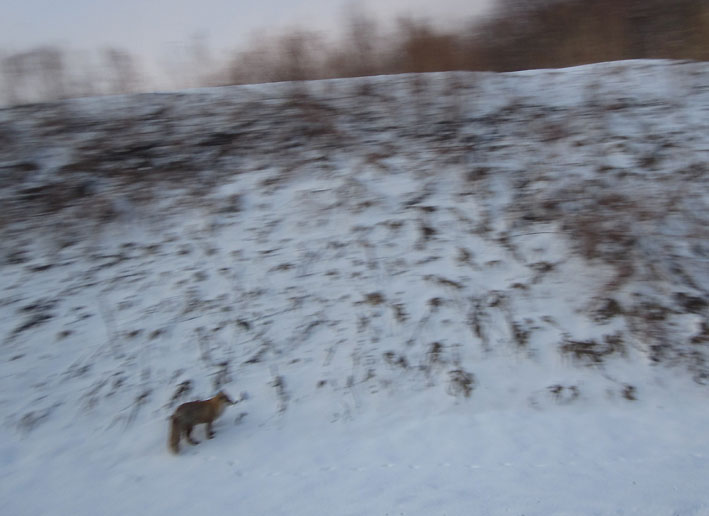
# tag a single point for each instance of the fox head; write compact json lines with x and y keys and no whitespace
{"x":223,"y":398}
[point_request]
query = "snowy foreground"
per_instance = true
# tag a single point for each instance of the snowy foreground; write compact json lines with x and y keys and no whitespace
{"x":449,"y":294}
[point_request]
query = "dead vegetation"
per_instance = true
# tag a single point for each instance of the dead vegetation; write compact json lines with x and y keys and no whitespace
{"x":462,"y":383}
{"x":279,"y":384}
{"x":564,"y":394}
{"x":592,"y":351}
{"x":517,"y":35}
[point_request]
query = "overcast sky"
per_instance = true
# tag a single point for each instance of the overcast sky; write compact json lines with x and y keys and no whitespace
{"x":148,"y":27}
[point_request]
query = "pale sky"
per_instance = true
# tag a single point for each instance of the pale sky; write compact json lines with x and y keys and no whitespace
{"x":148,"y":27}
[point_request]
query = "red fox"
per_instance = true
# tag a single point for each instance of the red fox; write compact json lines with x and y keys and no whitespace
{"x":194,"y":413}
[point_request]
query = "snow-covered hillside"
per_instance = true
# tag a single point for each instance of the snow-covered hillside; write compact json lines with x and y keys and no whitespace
{"x":436,"y":294}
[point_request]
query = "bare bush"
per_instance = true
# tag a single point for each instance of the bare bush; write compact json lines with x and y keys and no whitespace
{"x":422,"y":48}
{"x":461,"y":382}
{"x":593,"y":352}
{"x":293,"y":56}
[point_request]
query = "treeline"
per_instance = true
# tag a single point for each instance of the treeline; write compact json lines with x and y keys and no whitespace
{"x":50,"y":73}
{"x":517,"y":35}
{"x":557,"y":33}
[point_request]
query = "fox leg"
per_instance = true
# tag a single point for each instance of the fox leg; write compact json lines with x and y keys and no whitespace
{"x":188,"y":435}
{"x":210,"y":432}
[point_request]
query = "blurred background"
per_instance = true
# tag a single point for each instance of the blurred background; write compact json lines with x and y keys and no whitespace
{"x":51,"y":50}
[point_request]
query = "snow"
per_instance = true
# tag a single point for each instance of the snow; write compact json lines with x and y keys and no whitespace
{"x":341,"y":258}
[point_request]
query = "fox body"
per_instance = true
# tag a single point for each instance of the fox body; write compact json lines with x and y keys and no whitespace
{"x":194,"y":413}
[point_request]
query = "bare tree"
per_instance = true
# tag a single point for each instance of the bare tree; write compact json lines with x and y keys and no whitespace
{"x":362,"y":37}
{"x":122,"y":72}
{"x":297,"y":58}
{"x":14,"y":74}
{"x":35,"y":75}
{"x":51,"y":73}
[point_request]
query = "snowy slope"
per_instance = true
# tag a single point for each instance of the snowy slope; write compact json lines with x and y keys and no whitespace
{"x":443,"y":294}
